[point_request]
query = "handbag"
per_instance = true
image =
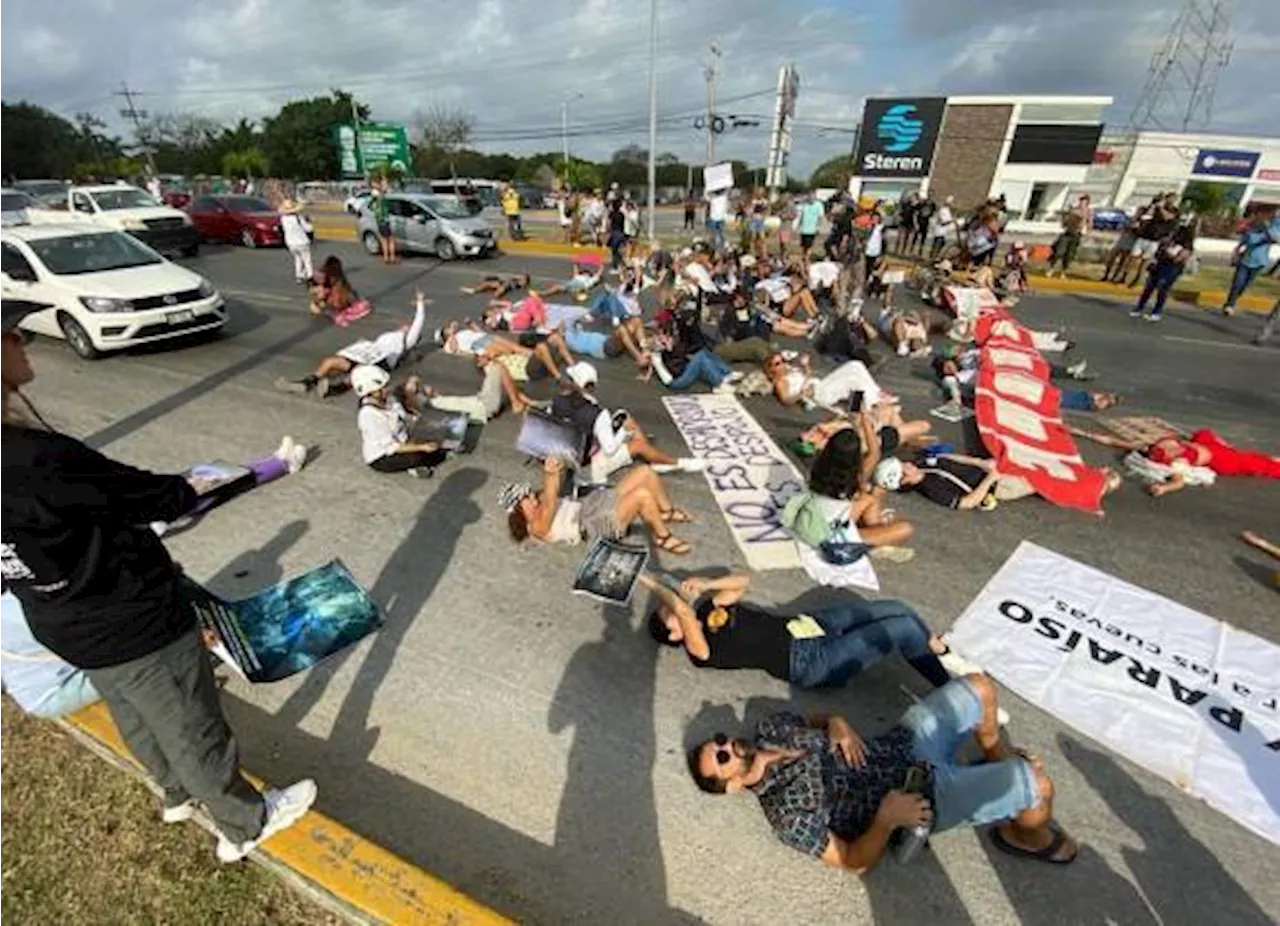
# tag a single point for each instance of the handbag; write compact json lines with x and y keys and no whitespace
{"x":838,"y":549}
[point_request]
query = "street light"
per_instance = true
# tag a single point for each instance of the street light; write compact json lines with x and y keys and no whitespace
{"x":564,"y":131}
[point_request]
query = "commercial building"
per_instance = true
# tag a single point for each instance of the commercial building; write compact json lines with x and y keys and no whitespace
{"x":1130,"y":169}
{"x":1033,"y":150}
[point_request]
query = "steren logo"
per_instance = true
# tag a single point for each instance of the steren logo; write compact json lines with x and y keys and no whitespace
{"x":875,"y":161}
{"x":899,"y":129}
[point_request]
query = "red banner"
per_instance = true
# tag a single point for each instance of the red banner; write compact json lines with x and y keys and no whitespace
{"x":1018,"y":417}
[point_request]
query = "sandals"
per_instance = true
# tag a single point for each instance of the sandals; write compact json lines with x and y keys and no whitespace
{"x":672,"y":544}
{"x":677,"y":516}
{"x":1046,"y":855}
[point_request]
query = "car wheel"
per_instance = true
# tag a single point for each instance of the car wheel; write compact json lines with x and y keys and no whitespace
{"x":191,"y":251}
{"x":371,"y":243}
{"x":445,"y":249}
{"x":247,"y":239}
{"x":78,"y":338}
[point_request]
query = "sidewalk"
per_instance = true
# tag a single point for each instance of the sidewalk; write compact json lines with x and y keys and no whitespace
{"x":335,"y":867}
{"x":336,"y":227}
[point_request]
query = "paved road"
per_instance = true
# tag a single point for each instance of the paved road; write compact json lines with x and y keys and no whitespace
{"x":528,"y":745}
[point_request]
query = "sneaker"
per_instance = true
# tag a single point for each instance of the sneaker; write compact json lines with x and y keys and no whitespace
{"x":283,"y":808}
{"x":179,"y":813}
{"x":324,"y":386}
{"x":893,"y":554}
{"x":1135,"y":313}
{"x":1153,"y":317}
{"x":1228,"y":310}
{"x":297,"y":458}
{"x":735,"y":377}
{"x":691,"y":464}
{"x":725,"y":388}
{"x":296,"y":386}
{"x":957,"y":665}
{"x":285,"y":448}
{"x":1076,"y":370}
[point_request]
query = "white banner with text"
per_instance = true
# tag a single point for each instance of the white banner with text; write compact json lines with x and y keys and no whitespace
{"x":1190,"y":698}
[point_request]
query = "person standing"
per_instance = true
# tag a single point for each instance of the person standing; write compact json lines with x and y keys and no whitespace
{"x":564,"y":208}
{"x":717,"y":215}
{"x":907,"y":209}
{"x":944,"y":226}
{"x":1158,"y":222}
{"x":1251,"y":254}
{"x":925,"y":211}
{"x":1171,"y":259}
{"x":874,"y":248}
{"x":617,"y":240}
{"x":690,"y":210}
{"x":511,"y":209}
{"x":382,"y":212}
{"x":1075,"y":224}
{"x":297,"y":239}
{"x":100,"y":591}
{"x":807,"y":222}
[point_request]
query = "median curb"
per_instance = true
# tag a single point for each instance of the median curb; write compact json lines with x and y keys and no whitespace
{"x":335,"y":232}
{"x":334,"y":867}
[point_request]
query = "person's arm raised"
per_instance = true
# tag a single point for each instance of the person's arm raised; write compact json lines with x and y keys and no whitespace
{"x":695,"y":641}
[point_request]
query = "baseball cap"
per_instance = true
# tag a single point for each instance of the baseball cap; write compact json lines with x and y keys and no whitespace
{"x":14,"y":310}
{"x":582,"y":374}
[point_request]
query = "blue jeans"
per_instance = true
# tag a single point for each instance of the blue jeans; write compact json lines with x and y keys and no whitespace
{"x":704,"y":366}
{"x":590,"y":343}
{"x":1160,"y":280}
{"x":716,"y":228}
{"x":858,"y":634}
{"x":1239,"y":283}
{"x":1078,"y":400}
{"x":607,"y":304}
{"x":970,"y":795}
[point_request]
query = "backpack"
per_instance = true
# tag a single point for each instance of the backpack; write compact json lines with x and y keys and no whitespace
{"x":804,"y":518}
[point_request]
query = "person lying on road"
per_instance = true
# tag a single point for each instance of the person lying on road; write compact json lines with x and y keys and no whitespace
{"x":837,"y":796}
{"x":526,"y":363}
{"x":496,"y":286}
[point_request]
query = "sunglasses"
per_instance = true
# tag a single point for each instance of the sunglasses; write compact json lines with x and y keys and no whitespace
{"x":723,"y":756}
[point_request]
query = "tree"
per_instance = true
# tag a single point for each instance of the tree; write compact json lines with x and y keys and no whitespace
{"x":182,"y":142}
{"x":299,"y":140}
{"x":833,"y":173}
{"x":1211,"y":199}
{"x":581,"y":175}
{"x":249,"y":162}
{"x":631,"y":154}
{"x":35,"y":142}
{"x":446,"y":130}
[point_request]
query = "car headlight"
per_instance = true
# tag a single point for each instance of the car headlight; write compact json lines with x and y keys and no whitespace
{"x":103,"y":304}
{"x":133,"y":225}
{"x":206,"y":289}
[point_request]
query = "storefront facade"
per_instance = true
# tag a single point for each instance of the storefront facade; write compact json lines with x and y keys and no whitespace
{"x":1030,"y":149}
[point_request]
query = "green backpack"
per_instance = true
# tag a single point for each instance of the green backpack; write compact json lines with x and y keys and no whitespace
{"x":804,"y":518}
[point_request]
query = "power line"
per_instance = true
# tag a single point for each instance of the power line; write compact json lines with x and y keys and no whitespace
{"x":132,"y":112}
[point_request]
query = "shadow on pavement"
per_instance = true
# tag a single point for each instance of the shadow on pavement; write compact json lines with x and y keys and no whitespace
{"x":1182,"y":881}
{"x":404,"y":585}
{"x":607,"y":848}
{"x":1262,"y":574}
{"x":254,"y":570}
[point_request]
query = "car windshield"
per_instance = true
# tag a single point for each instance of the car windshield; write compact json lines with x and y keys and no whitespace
{"x":13,"y":202}
{"x":246,"y":204}
{"x":45,"y":188}
{"x":123,"y":198}
{"x":92,"y":253}
{"x":447,"y":208}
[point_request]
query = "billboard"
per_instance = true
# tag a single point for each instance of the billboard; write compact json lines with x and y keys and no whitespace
{"x":898,"y":136}
{"x":1221,"y":162}
{"x":379,"y":143}
{"x":1056,"y":143}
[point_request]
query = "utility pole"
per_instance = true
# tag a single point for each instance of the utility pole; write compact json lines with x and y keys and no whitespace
{"x":564,"y":132}
{"x":136,"y":115}
{"x":710,"y":73}
{"x":653,"y":113}
{"x":355,"y":128}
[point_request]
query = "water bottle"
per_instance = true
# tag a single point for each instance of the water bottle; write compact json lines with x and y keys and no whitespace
{"x":907,"y":841}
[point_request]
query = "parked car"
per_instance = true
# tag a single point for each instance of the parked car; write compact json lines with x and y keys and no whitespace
{"x":246,"y":219}
{"x":357,"y":201}
{"x":52,"y":193}
{"x":430,"y":224}
{"x":106,"y":289}
{"x":1109,"y":219}
{"x":14,"y":205}
{"x":129,"y":209}
{"x":531,"y":197}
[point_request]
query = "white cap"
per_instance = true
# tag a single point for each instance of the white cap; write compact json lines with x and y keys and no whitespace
{"x":367,"y":379}
{"x":888,"y":474}
{"x":582,"y":374}
{"x":747,"y":260}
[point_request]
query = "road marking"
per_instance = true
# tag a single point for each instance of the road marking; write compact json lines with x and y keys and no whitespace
{"x":255,"y":294}
{"x":1208,"y":343}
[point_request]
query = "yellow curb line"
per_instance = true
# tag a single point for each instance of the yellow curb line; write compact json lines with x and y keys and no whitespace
{"x":370,"y":883}
{"x":328,"y":232}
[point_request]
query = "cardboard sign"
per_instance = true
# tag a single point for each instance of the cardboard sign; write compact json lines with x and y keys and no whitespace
{"x":717,"y":177}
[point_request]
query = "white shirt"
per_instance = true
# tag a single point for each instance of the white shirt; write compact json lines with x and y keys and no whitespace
{"x":295,"y":231}
{"x":718,"y":210}
{"x":943,"y":220}
{"x":701,"y":277}
{"x":467,"y":339}
{"x":382,"y":430}
{"x":875,"y":241}
{"x":823,"y":274}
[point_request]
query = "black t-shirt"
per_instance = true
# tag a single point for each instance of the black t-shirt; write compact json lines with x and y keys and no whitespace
{"x":924,"y":212}
{"x":749,"y":639}
{"x":97,"y":585}
{"x":842,"y":225}
{"x":946,"y":481}
{"x":617,"y":220}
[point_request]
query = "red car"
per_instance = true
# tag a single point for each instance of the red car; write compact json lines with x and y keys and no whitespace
{"x":246,"y":219}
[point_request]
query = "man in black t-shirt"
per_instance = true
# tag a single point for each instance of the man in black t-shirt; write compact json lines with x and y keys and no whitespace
{"x":708,"y":618}
{"x":951,"y":480}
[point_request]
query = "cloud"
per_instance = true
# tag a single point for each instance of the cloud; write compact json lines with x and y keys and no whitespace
{"x":512,"y":63}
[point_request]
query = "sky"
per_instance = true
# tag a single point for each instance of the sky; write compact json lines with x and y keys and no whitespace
{"x":513,"y":64}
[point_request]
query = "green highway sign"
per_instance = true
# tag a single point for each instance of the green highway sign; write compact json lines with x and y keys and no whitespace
{"x":379,"y":143}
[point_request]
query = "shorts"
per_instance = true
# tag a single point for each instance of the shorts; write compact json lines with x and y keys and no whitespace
{"x":517,"y":365}
{"x":591,"y":343}
{"x":756,"y":225}
{"x":965,"y":795}
{"x":1144,"y":247}
{"x":384,"y":229}
{"x":603,"y":465}
{"x":806,"y":241}
{"x":535,"y":369}
{"x":530,"y":339}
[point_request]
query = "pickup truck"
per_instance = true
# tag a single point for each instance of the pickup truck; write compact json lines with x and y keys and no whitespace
{"x":133,"y":210}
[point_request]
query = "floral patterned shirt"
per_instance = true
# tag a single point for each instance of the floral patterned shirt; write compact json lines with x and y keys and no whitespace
{"x":805,"y":798}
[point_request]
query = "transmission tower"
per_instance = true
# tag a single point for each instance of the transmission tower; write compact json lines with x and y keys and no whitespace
{"x":1183,"y":74}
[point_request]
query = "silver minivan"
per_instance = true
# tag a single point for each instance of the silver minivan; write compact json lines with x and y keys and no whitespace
{"x":438,"y":225}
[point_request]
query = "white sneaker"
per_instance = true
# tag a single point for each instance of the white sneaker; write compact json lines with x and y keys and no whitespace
{"x":691,"y":464}
{"x":892,"y":554}
{"x":284,"y":808}
{"x":285,"y":449}
{"x":735,"y":377}
{"x":1076,"y":371}
{"x":957,"y":665}
{"x":725,"y":388}
{"x":179,"y":813}
{"x":297,"y":458}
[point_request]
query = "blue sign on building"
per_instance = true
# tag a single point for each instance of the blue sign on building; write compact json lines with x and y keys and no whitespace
{"x":1221,"y":162}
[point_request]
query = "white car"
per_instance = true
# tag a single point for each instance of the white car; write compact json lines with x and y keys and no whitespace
{"x":357,"y":202}
{"x":107,"y":290}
